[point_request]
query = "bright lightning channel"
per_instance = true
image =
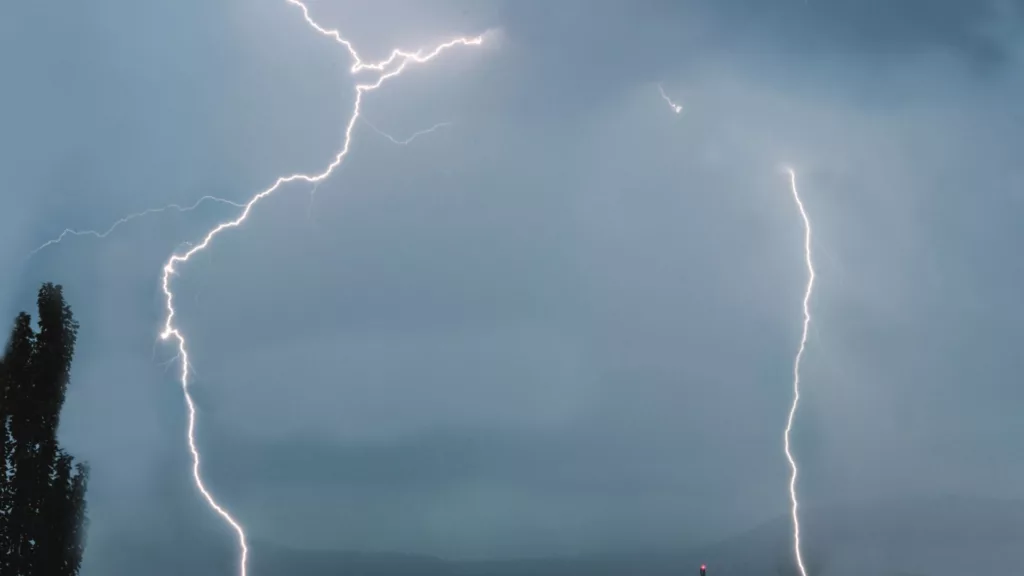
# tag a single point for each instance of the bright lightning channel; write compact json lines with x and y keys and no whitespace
{"x":399,"y":60}
{"x":383,"y":134}
{"x":105,"y":233}
{"x":408,"y":140}
{"x":677,"y":108}
{"x":796,"y":370}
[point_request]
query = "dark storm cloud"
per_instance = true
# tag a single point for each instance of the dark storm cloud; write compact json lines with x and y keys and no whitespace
{"x":590,"y":51}
{"x":871,"y":29}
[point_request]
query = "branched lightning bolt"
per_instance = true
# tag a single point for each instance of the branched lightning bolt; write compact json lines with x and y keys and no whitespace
{"x":389,"y":68}
{"x":796,"y":370}
{"x":677,"y":108}
{"x":406,"y":142}
{"x":105,"y":233}
{"x":414,"y":136}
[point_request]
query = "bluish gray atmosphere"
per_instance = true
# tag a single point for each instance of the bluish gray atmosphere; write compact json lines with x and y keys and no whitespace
{"x":562,"y":324}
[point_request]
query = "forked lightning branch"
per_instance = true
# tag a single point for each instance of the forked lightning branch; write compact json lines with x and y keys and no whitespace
{"x":386,"y":69}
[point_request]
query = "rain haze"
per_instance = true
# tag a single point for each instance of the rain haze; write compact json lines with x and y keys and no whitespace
{"x":563,"y":323}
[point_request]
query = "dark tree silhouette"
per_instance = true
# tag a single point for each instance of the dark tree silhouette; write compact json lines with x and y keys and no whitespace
{"x":42,"y":490}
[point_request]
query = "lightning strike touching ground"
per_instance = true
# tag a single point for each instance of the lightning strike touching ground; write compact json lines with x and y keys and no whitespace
{"x":394,"y":65}
{"x":796,"y":370}
{"x":677,"y":108}
{"x":104,"y":234}
{"x":414,"y":136}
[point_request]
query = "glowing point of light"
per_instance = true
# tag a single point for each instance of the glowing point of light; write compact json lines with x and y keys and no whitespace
{"x":408,"y":140}
{"x":108,"y":231}
{"x":389,"y":68}
{"x":796,"y":370}
{"x":677,"y":108}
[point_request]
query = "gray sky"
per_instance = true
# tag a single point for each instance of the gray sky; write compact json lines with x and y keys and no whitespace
{"x":565,"y":322}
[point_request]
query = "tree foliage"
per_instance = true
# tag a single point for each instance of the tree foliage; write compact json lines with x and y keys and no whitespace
{"x":42,"y":489}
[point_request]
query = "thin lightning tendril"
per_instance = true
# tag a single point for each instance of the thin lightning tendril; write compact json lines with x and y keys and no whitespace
{"x":399,"y":60}
{"x":126,"y":219}
{"x":796,"y":371}
{"x":408,"y":140}
{"x":677,"y":108}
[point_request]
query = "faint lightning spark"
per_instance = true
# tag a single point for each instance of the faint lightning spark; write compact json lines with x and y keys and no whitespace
{"x":796,"y":369}
{"x":167,"y":364}
{"x":677,"y":108}
{"x":389,"y":68}
{"x":312,"y":195}
{"x":415,"y":135}
{"x":105,"y":233}
{"x":407,"y":141}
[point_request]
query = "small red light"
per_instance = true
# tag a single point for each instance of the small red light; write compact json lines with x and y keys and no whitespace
{"x":703,"y":567}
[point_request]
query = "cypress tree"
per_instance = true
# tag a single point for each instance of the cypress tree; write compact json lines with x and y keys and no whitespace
{"x":42,"y":490}
{"x":13,"y":373}
{"x":18,"y":387}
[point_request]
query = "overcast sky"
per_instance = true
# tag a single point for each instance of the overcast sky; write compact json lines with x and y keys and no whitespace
{"x":564,"y":322}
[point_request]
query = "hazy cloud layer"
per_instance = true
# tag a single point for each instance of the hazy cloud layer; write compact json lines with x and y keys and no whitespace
{"x":565,"y":322}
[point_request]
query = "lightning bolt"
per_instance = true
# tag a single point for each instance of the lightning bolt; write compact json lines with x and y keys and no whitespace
{"x":394,"y":65}
{"x":406,"y":142}
{"x":130,"y":217}
{"x":796,"y":370}
{"x":414,"y":136}
{"x":677,"y":108}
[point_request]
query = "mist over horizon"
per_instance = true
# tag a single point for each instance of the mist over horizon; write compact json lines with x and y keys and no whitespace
{"x":562,"y":324}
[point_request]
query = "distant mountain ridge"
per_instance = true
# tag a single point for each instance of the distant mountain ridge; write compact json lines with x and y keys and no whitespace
{"x":935,"y":537}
